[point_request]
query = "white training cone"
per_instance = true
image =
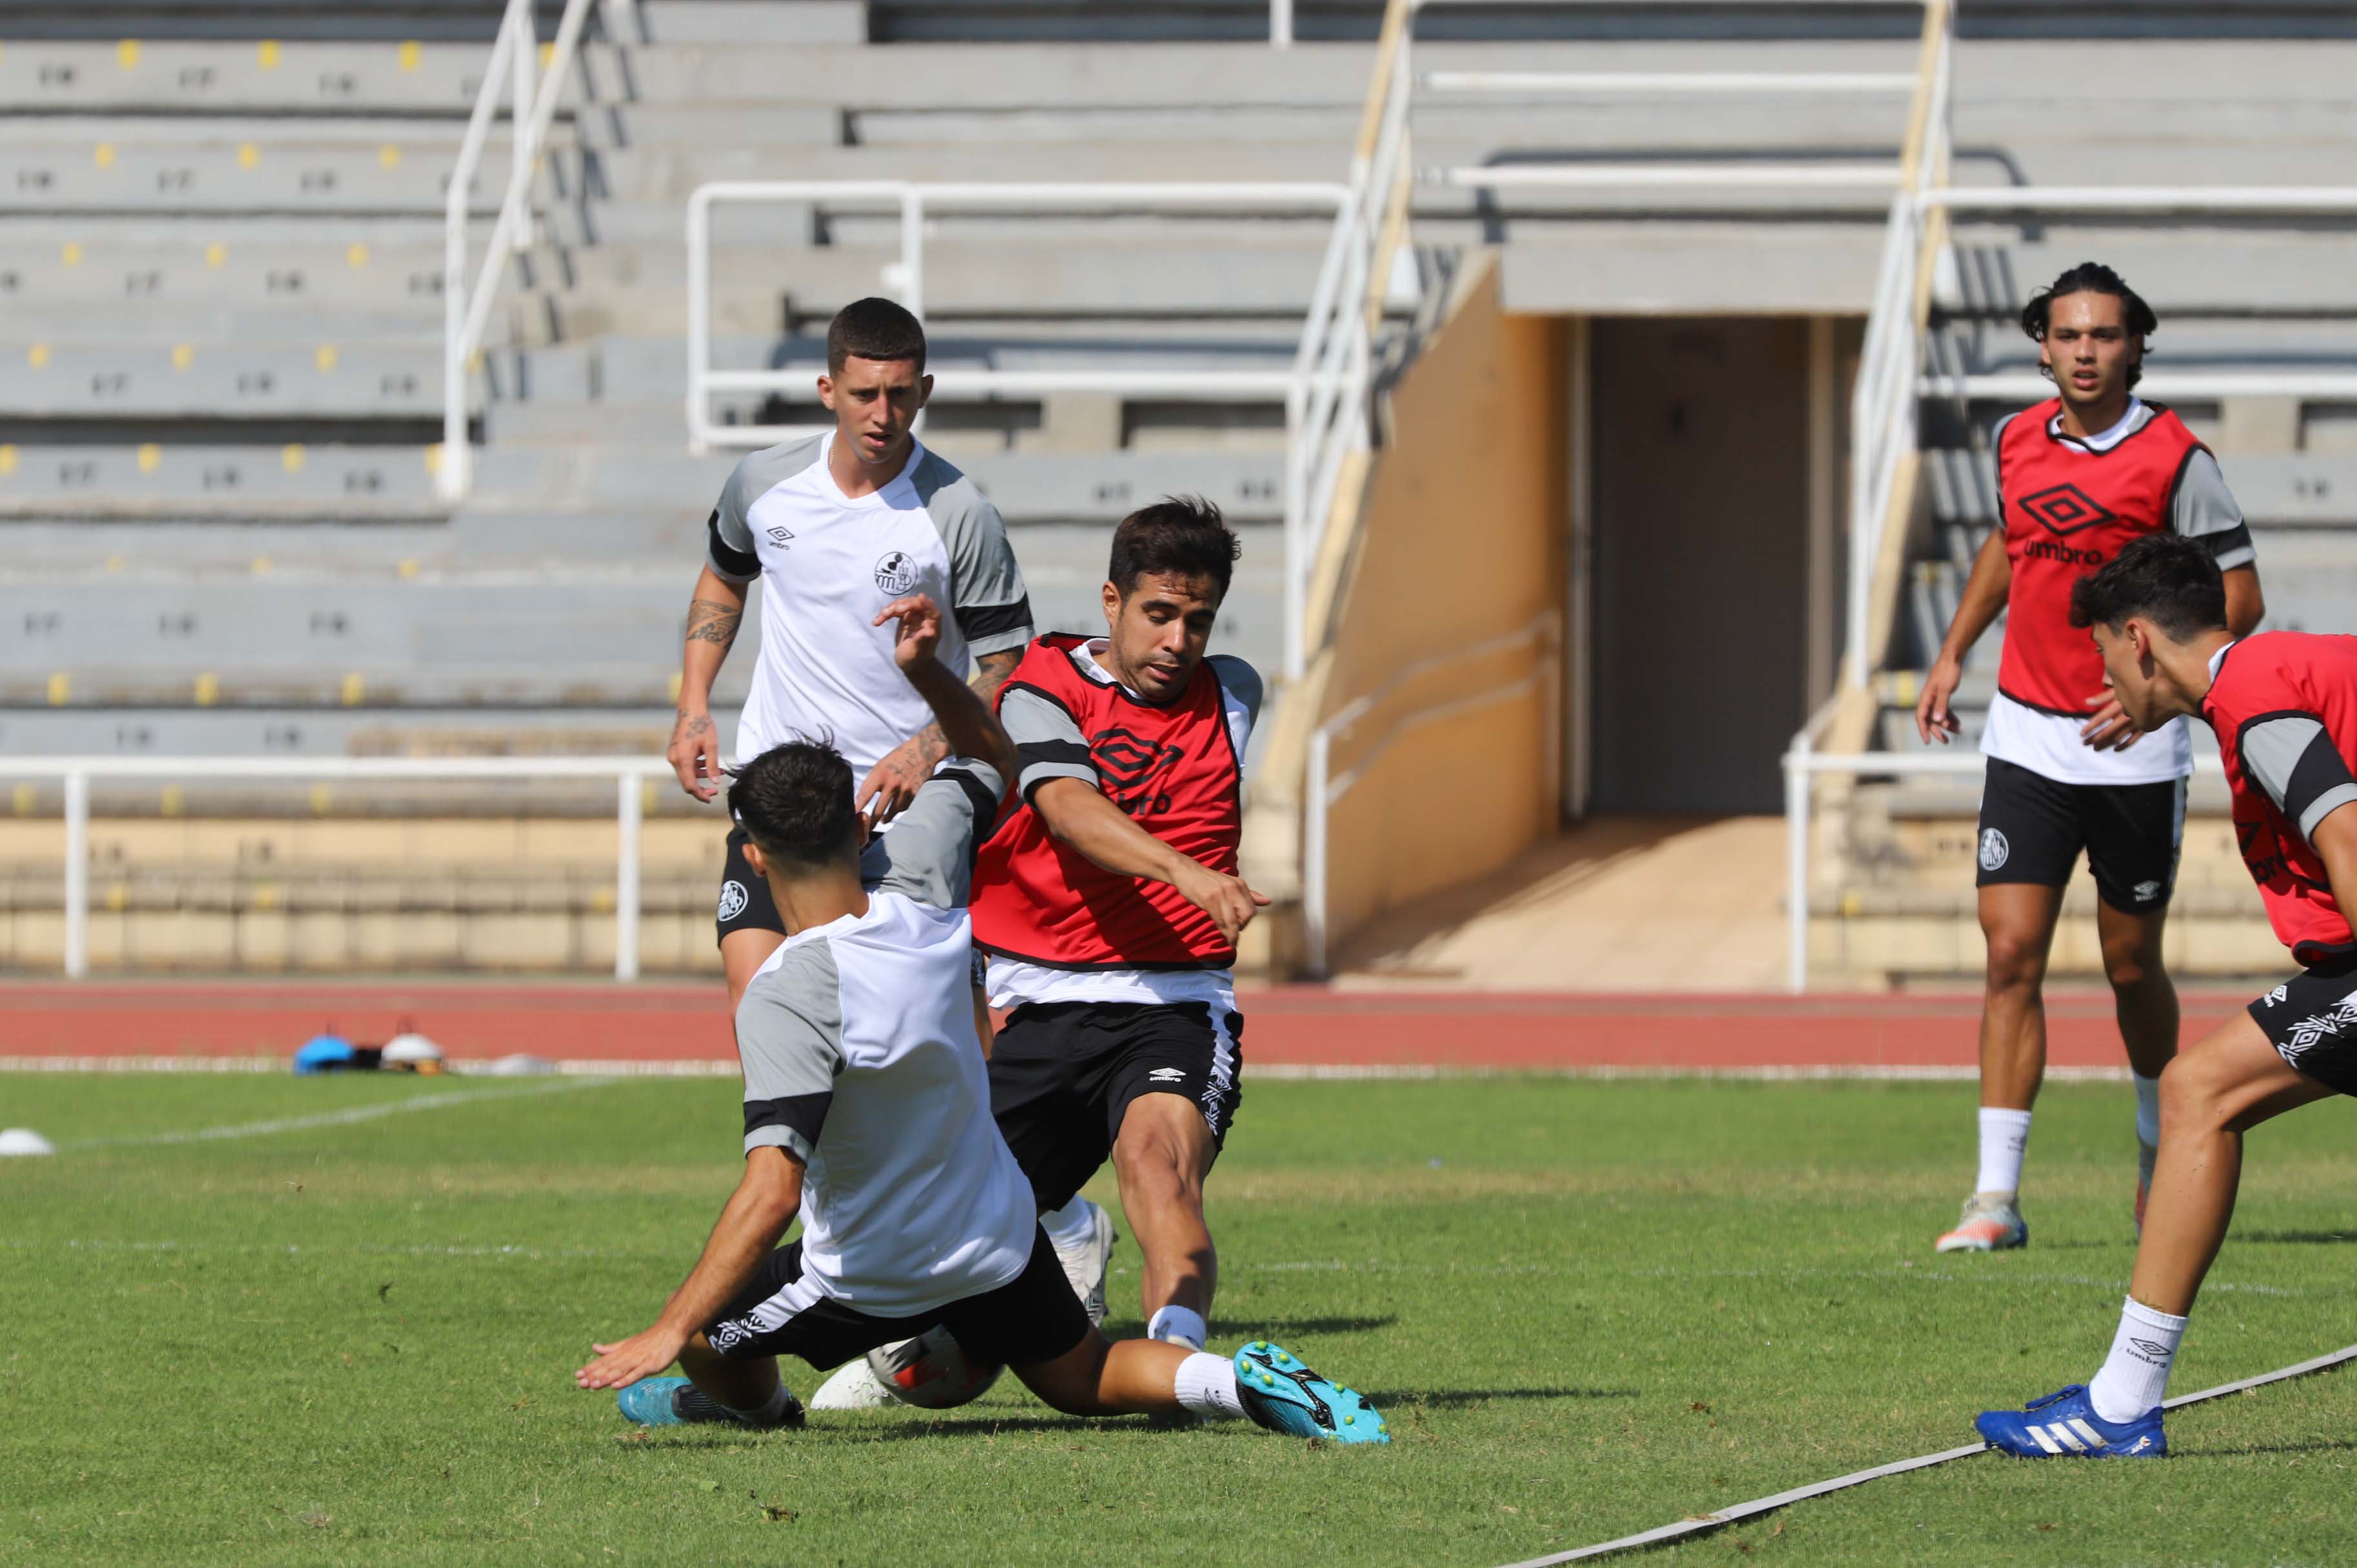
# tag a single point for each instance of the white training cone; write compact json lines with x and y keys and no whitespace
{"x":24,"y":1141}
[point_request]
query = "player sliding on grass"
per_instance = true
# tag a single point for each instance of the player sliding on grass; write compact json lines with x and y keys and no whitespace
{"x":2078,"y":476}
{"x":868,"y":1112}
{"x":2284,"y":707}
{"x":1109,"y":903}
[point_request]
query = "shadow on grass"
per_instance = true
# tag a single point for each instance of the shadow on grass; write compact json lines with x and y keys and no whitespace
{"x":1458,"y":1399}
{"x":2297,"y":1238}
{"x":2316,"y":1446}
{"x":1260,"y":1328}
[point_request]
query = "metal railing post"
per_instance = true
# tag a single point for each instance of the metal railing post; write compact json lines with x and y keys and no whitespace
{"x":1313,"y":854}
{"x":77,"y":875}
{"x":1280,"y":24}
{"x":912,"y":251}
{"x":699,"y":319}
{"x":1297,"y":542}
{"x":1796,"y":864}
{"x":629,"y":798}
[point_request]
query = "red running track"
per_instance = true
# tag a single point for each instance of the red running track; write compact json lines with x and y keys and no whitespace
{"x":1299,"y":1026}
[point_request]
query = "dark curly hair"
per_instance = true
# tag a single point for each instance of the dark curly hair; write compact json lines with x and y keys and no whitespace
{"x":2090,"y":278}
{"x":1185,"y":534}
{"x":795,"y":800}
{"x":2167,"y":578}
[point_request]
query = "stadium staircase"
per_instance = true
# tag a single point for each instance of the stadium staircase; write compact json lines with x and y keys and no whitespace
{"x":2238,"y":297}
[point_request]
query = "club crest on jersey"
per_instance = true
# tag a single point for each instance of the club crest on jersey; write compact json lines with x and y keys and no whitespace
{"x":1995,"y":851}
{"x":2066,"y":508}
{"x":732,"y":900}
{"x":896,"y":573}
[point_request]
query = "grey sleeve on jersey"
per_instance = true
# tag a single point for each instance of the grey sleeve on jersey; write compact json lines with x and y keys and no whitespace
{"x":2202,"y":506}
{"x":992,"y":606}
{"x":790,"y":1037}
{"x":1242,"y":683}
{"x":928,"y":855}
{"x":1047,"y":740}
{"x":2292,"y":758}
{"x":734,"y":558}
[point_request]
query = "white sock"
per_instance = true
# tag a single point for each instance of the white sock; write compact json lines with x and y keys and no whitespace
{"x":2135,"y":1374}
{"x":1073,"y":1225}
{"x":1206,"y":1385}
{"x":1178,"y":1325}
{"x":2004,"y":1136}
{"x":2148,"y":1108}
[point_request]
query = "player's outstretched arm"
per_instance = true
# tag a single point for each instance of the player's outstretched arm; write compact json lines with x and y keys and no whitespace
{"x":1078,"y":814}
{"x":967,"y":725}
{"x":1978,"y":608}
{"x":755,"y":1217}
{"x":713,"y":613}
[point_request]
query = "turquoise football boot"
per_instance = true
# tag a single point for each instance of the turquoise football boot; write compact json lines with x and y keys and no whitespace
{"x":1283,"y":1396}
{"x":674,"y":1401}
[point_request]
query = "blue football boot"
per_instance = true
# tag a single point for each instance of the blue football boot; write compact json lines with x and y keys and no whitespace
{"x":1283,"y":1396}
{"x":674,"y":1401}
{"x":2064,"y":1423}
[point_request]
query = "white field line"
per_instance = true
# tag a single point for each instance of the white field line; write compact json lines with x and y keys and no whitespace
{"x":1702,"y":1523}
{"x":1267,"y":1072}
{"x":331,"y":1117}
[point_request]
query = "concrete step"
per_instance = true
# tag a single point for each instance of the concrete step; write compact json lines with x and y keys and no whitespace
{"x":237,"y":380}
{"x":135,"y":78}
{"x":737,"y":23}
{"x":41,"y":483}
{"x":204,"y":175}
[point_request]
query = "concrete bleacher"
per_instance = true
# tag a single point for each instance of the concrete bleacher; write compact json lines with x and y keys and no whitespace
{"x":220,"y":317}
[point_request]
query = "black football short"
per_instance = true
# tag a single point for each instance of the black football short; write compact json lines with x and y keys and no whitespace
{"x":745,"y":901}
{"x":1062,"y":1075}
{"x":2033,"y":829}
{"x":1034,"y":1317}
{"x":2311,"y":1021}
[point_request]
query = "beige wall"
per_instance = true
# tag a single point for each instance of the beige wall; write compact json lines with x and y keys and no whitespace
{"x":1460,"y":543}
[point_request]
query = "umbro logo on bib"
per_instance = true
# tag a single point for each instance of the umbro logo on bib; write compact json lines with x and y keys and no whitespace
{"x":2066,"y":508}
{"x":1995,"y":851}
{"x":896,"y":573}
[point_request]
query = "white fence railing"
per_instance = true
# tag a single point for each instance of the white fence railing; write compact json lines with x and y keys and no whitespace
{"x":515,"y":71}
{"x":1324,"y":791}
{"x":1803,"y":765}
{"x":1323,"y":389}
{"x":629,"y":775}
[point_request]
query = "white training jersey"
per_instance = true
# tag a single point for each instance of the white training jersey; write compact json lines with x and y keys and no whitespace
{"x":828,"y":563}
{"x":2202,"y":506}
{"x":860,"y":1055}
{"x":1049,"y":745}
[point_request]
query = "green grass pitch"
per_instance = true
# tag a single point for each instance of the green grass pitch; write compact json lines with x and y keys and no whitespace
{"x":1587,"y":1308}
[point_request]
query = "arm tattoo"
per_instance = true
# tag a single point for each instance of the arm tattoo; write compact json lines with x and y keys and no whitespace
{"x":699,"y":727}
{"x":990,"y":670}
{"x":709,"y":620}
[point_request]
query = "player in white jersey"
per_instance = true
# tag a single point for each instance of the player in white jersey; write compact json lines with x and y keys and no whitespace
{"x":837,"y":526}
{"x":867,"y":1116}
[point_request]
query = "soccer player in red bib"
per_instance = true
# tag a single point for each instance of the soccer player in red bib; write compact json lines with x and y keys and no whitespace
{"x":1109,"y":902}
{"x":2079,"y":477}
{"x":2283,"y":708}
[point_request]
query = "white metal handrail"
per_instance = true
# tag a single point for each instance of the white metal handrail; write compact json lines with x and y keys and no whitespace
{"x":1663,"y":175}
{"x":629,"y":775}
{"x":2016,"y":386}
{"x":1323,"y":391}
{"x":1608,"y":83}
{"x":1323,"y":791}
{"x":532,"y":90}
{"x":1803,"y":764}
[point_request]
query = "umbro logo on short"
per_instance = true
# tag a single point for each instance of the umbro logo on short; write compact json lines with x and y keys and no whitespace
{"x":2066,"y":508}
{"x":1167,"y":1075}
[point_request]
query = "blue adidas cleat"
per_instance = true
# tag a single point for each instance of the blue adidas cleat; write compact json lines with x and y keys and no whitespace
{"x":2064,"y":1425}
{"x":1280,"y":1393}
{"x":674,"y":1401}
